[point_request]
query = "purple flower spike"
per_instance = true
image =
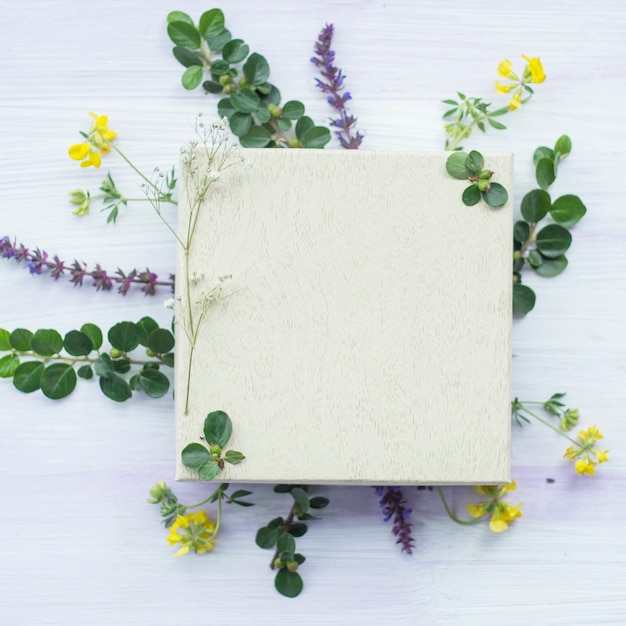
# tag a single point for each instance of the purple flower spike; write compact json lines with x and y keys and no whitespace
{"x":393,"y":507}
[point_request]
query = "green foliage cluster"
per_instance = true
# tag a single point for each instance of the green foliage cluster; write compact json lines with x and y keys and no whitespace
{"x":218,"y":429}
{"x":251,"y":103}
{"x":51,"y":362}
{"x":280,"y":533}
{"x":464,"y":166}
{"x":543,"y":250}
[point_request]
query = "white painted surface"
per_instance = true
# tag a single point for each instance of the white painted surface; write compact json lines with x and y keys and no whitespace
{"x":78,"y":543}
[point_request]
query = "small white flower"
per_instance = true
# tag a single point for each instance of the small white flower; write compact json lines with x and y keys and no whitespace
{"x":213,"y":175}
{"x":170,"y":303}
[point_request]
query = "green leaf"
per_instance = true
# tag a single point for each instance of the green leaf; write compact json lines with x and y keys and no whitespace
{"x":208,"y":470}
{"x":178,"y":16}
{"x":269,"y":94}
{"x":523,"y":299}
{"x":283,"y":123}
{"x":235,"y":51}
{"x":85,"y":371}
{"x":218,"y":428}
{"x":192,"y":77}
{"x":293,"y":110}
{"x":301,"y":497}
{"x":194,"y":455}
{"x":286,"y":543}
{"x":496,"y":125}
{"x":225,"y":108}
{"x":258,"y":137}
{"x":542,"y":153}
{"x":233,"y":457}
{"x":562,"y":147}
{"x":94,"y":333}
{"x":568,"y":210}
{"x":104,"y":366}
{"x":155,"y":384}
{"x":297,"y":529}
{"x":283,"y":488}
{"x":456,"y":166}
{"x":211,"y":23}
{"x":256,"y":69}
{"x":299,"y":558}
{"x":47,"y":342}
{"x":288,"y":583}
{"x":276,"y":522}
{"x":184,"y":34}
{"x":212,"y":86}
{"x":168,"y":359}
{"x":124,"y":336}
{"x":121,"y":366}
{"x":450,"y":102}
{"x":304,"y":124}
{"x":77,"y":343}
{"x":245,"y":100}
{"x":58,"y":380}
{"x":27,"y":376}
{"x":218,"y":42}
{"x":553,"y":240}
{"x":316,"y":137}
{"x":186,"y":57}
{"x":161,"y":341}
{"x":115,"y":388}
{"x":5,"y":344}
{"x":319,"y":502}
{"x":266,"y":537}
{"x":262,"y":115}
{"x":521,"y":231}
{"x":471,"y":195}
{"x":146,"y":326}
{"x":8,"y":365}
{"x":545,"y":173}
{"x":475,"y":162}
{"x":219,"y":67}
{"x":535,"y":258}
{"x":535,"y":205}
{"x":551,"y":266}
{"x":496,"y":196}
{"x":20,"y":339}
{"x":241,"y":493}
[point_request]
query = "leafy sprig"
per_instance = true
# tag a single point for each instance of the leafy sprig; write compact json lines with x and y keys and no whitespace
{"x":47,"y":361}
{"x":251,"y":103}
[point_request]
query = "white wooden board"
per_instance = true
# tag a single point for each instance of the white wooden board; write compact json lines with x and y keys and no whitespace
{"x":367,"y":337}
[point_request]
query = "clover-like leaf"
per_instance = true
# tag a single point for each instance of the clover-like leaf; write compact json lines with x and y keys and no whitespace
{"x":496,"y":196}
{"x":456,"y":166}
{"x":233,"y":457}
{"x":288,"y":583}
{"x":208,"y":470}
{"x":58,"y":380}
{"x":523,"y":299}
{"x":218,"y":428}
{"x":194,"y":455}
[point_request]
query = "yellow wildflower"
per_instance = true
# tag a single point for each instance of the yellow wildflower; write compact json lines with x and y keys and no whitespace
{"x":97,"y":141}
{"x":502,"y":513}
{"x":505,"y":69}
{"x":516,"y":100}
{"x":585,"y":454}
{"x":533,"y":73}
{"x":585,"y":466}
{"x":535,"y":68}
{"x":194,"y":531}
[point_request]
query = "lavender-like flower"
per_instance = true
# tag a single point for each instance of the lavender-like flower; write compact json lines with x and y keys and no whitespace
{"x":333,"y":85}
{"x":39,"y":260}
{"x":393,"y":504}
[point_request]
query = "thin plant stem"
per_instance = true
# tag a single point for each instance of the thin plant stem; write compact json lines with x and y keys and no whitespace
{"x":453,"y":517}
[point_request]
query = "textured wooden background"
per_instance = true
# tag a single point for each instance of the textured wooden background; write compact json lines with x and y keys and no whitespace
{"x":79,"y":545}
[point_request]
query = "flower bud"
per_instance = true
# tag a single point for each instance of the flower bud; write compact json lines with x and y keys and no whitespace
{"x":485,"y":175}
{"x":278,"y":564}
{"x":275,"y":111}
{"x":225,"y":79}
{"x":215,"y":450}
{"x":228,"y":89}
{"x":294,"y":142}
{"x":243,"y":83}
{"x":150,"y":352}
{"x":569,"y":419}
{"x":484,"y":185}
{"x":292,"y":566}
{"x":115,"y":353}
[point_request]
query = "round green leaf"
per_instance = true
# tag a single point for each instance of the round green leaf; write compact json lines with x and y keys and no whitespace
{"x":553,"y":240}
{"x":286,"y":543}
{"x":496,"y":196}
{"x":523,"y":299}
{"x":178,"y":16}
{"x":212,"y":87}
{"x":235,"y":51}
{"x":225,"y":108}
{"x":208,"y":470}
{"x":535,"y":205}
{"x":192,"y":77}
{"x":104,"y":366}
{"x":77,"y":343}
{"x":184,"y":34}
{"x":283,"y":123}
{"x":456,"y":166}
{"x":304,"y":124}
{"x":288,"y":583}
{"x":535,"y":258}
{"x":256,"y":69}
{"x":121,"y":366}
{"x":245,"y":100}
{"x":266,"y":537}
{"x":301,"y":497}
{"x":319,"y":502}
{"x":269,"y":94}
{"x":297,"y":529}
{"x":316,"y":137}
{"x":154,"y":383}
{"x":475,"y":162}
{"x":85,"y":371}
{"x":161,"y":341}
{"x":47,"y":342}
{"x":94,"y":333}
{"x":115,"y":388}
{"x":168,"y":359}
{"x":257,"y":137}
{"x":27,"y":376}
{"x":282,"y":488}
{"x":521,"y":231}
{"x":5,"y":344}
{"x":211,"y":23}
{"x":233,"y":457}
{"x":568,"y":210}
{"x":542,"y":153}
{"x":146,"y":326}
{"x":563,"y":146}
{"x":124,"y":336}
{"x":551,"y":266}
{"x":293,"y":110}
{"x":186,"y":57}
{"x":545,"y":173}
{"x":194,"y":455}
{"x":471,"y":195}
{"x":219,"y":67}
{"x":20,"y":339}
{"x":58,"y":380}
{"x":219,"y":41}
{"x":262,"y":115}
{"x":8,"y":365}
{"x":218,"y":428}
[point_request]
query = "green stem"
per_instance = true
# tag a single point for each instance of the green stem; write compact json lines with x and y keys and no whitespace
{"x":546,"y":423}
{"x":217,"y":492}
{"x":453,"y":517}
{"x":78,"y":359}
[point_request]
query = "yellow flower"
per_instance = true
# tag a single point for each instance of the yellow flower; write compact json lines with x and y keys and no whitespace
{"x":601,"y":455}
{"x":516,"y":101}
{"x":97,"y":142}
{"x":585,"y":466}
{"x":505,"y":69}
{"x":502,"y":88}
{"x":584,"y":452}
{"x":535,"y":68}
{"x":194,"y":531}
{"x":502,"y":513}
{"x":533,"y":73}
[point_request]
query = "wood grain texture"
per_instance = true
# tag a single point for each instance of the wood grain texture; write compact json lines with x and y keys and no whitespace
{"x":349,"y":337}
{"x":78,"y":543}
